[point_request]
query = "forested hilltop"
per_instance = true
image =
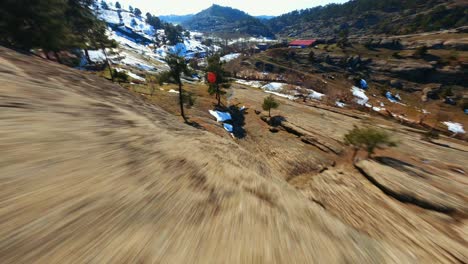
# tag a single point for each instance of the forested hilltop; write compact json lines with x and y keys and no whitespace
{"x":220,"y":19}
{"x":373,"y":17}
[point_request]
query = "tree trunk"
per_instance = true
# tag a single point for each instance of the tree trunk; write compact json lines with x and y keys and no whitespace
{"x":87,"y":55}
{"x":57,"y":57}
{"x":269,"y":112}
{"x":355,"y":151}
{"x":107,"y":62}
{"x":181,"y":102}
{"x":218,"y":94}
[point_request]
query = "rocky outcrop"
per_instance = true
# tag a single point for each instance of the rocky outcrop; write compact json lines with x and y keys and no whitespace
{"x":411,"y":185}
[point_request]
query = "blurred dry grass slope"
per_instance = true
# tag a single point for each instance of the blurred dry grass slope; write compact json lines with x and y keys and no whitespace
{"x":90,"y":173}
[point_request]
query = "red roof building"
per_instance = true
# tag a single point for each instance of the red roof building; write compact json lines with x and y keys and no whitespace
{"x":302,"y":43}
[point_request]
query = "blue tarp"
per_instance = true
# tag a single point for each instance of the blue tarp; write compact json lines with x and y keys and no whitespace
{"x":391,"y":98}
{"x":364,"y":84}
{"x":228,"y":127}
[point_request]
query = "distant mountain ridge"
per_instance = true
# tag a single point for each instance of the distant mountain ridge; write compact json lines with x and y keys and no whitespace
{"x":220,"y":19}
{"x":391,"y":17}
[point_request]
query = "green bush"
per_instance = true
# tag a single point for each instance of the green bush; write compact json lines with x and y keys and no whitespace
{"x":369,"y":139}
{"x":269,"y":103}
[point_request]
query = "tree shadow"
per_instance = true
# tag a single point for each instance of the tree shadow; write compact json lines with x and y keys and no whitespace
{"x":400,"y":165}
{"x":276,"y":121}
{"x":238,"y":120}
{"x":194,"y":124}
{"x":392,"y":162}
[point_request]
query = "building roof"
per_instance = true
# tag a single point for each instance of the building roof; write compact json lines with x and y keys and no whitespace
{"x":303,"y":42}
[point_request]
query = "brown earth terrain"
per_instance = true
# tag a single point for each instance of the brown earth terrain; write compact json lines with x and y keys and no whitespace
{"x":94,"y":172}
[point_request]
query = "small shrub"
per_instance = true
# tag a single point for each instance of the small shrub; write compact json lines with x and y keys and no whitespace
{"x":420,"y":51}
{"x":269,"y":103}
{"x":120,"y":76}
{"x":369,"y":139}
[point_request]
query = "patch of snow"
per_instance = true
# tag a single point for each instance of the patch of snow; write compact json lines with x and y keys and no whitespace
{"x":110,"y":16}
{"x":255,"y":84}
{"x":378,"y":109}
{"x":173,"y":91}
{"x":96,"y":55}
{"x":340,"y":104}
{"x":220,"y":116}
{"x":229,"y":128}
{"x":424,"y":111}
{"x":360,"y":95}
{"x":315,"y":95}
{"x":290,"y":97}
{"x":132,"y":61}
{"x":131,"y":74}
{"x":456,"y":128}
{"x":274,"y":86}
{"x":230,"y":57}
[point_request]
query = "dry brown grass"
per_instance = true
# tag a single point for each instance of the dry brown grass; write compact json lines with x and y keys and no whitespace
{"x":91,"y":172}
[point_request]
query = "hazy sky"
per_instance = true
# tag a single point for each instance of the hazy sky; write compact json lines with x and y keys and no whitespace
{"x":259,"y":7}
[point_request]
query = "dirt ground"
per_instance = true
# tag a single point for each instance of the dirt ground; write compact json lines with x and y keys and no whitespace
{"x":91,"y":172}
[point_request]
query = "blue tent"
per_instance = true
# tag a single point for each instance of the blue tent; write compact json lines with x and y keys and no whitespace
{"x":364,"y":84}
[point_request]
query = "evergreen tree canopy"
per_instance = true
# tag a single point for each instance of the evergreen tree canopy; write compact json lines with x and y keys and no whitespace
{"x":269,"y":103}
{"x":153,"y":21}
{"x":104,"y":5}
{"x":173,"y":33}
{"x":137,"y":12}
{"x":222,"y":77}
{"x":51,"y":25}
{"x":117,"y":5}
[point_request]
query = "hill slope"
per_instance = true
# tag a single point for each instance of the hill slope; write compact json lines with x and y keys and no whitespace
{"x":220,"y":19}
{"x":92,"y":172}
{"x":373,"y":17}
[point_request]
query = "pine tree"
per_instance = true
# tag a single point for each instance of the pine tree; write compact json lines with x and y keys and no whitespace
{"x":269,"y":103}
{"x":117,"y":5}
{"x":130,"y":8}
{"x":173,"y":33}
{"x":178,"y":67}
{"x":104,"y":5}
{"x":153,"y":21}
{"x":222,"y":77}
{"x":137,"y":12}
{"x":39,"y":24}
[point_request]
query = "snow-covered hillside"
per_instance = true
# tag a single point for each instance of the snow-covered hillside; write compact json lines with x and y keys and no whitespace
{"x":137,"y":46}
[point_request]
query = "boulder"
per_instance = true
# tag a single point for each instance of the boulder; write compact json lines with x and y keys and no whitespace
{"x":410,"y":184}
